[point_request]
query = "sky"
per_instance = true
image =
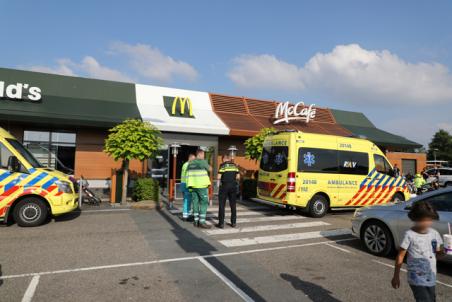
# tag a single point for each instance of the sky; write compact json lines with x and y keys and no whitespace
{"x":391,"y":60}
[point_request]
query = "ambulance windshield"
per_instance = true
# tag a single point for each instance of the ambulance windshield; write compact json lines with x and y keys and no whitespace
{"x":25,"y":153}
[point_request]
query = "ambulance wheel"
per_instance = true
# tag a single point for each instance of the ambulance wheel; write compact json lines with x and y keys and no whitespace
{"x":398,"y":197}
{"x":318,"y":206}
{"x":377,"y":238}
{"x":30,"y":212}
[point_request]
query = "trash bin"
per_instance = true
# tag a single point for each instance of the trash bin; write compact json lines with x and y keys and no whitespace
{"x":118,"y":189}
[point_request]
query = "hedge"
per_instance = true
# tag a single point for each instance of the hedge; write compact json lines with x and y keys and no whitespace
{"x":146,"y":189}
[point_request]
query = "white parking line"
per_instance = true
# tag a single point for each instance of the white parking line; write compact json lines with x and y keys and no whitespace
{"x":285,"y":237}
{"x":120,"y":265}
{"x":263,"y":228}
{"x":105,"y":210}
{"x":339,"y":248}
{"x":228,"y":282}
{"x":30,"y":292}
{"x":404,"y":270}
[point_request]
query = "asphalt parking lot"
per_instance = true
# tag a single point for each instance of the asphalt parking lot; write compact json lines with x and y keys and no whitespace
{"x":147,"y":255}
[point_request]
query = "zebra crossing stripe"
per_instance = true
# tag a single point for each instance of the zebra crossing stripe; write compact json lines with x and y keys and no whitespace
{"x":228,"y":209}
{"x":244,"y":213}
{"x":265,"y":219}
{"x":263,"y":228}
{"x":285,"y":237}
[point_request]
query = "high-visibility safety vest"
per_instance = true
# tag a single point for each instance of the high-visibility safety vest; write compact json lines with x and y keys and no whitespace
{"x":183,"y":175}
{"x":197,"y":174}
{"x":228,"y":171}
{"x":419,"y":181}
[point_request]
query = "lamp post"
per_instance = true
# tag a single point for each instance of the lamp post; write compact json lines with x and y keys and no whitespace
{"x":434,"y":155}
{"x":174,"y":150}
{"x":232,"y":151}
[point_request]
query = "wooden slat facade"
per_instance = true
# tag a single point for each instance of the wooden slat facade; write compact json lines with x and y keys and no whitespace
{"x":245,"y":117}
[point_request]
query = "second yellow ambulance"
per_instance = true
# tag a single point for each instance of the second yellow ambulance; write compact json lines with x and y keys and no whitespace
{"x":318,"y":172}
{"x":29,"y":192}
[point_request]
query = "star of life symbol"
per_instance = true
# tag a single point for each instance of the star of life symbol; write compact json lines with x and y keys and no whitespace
{"x":309,"y":159}
{"x":279,"y":158}
{"x":265,"y":158}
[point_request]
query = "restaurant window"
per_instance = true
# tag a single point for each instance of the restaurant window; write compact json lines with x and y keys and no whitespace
{"x":55,"y":150}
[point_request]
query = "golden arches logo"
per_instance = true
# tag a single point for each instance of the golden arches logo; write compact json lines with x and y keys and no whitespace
{"x":183,"y":103}
{"x":178,"y":106}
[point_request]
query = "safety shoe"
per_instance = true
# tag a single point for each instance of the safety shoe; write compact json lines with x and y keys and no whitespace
{"x":233,"y":225}
{"x":205,"y":226}
{"x":220,"y":226}
{"x":196,"y":224}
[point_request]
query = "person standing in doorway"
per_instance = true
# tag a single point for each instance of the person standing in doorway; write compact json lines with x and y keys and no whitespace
{"x":228,"y":177}
{"x":198,"y":182}
{"x":187,"y":211}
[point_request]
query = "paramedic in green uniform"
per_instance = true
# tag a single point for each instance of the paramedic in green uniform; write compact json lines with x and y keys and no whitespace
{"x":186,"y":212}
{"x":198,"y":182}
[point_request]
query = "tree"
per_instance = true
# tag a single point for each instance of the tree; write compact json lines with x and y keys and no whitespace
{"x":441,"y":144}
{"x":132,"y":139}
{"x":254,"y":145}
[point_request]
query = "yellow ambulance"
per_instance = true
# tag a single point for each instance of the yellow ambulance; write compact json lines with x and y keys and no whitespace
{"x":29,"y":192}
{"x":317,"y":172}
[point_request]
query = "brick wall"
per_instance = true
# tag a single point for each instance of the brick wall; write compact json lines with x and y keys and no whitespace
{"x":92,"y":161}
{"x":396,"y":158}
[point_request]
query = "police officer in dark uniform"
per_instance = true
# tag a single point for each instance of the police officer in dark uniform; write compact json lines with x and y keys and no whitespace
{"x":228,"y":177}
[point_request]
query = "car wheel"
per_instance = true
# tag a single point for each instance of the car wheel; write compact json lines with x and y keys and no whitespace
{"x":30,"y":212}
{"x":318,"y":206}
{"x":377,"y":238}
{"x":398,"y":197}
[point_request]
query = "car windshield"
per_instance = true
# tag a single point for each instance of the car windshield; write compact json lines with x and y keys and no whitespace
{"x":25,"y":153}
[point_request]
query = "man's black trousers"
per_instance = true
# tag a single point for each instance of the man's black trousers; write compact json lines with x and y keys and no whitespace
{"x":227,"y":191}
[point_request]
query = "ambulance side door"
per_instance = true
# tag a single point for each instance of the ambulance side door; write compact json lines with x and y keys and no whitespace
{"x":353,"y":171}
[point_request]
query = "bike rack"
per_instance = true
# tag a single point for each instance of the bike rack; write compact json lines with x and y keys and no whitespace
{"x":80,"y":192}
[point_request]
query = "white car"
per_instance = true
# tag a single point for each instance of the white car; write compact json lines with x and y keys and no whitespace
{"x":445,"y":176}
{"x":381,"y":228}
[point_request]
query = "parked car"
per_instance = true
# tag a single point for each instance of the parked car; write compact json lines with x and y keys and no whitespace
{"x":445,"y":176}
{"x":381,"y":228}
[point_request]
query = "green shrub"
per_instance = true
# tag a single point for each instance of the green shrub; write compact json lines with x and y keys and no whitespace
{"x":146,"y":189}
{"x":249,"y":188}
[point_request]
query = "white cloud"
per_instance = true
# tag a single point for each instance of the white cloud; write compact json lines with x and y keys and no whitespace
{"x":92,"y":67}
{"x":265,"y":71}
{"x":152,"y":64}
{"x":89,"y":67}
{"x":351,"y":74}
{"x":62,"y":67}
{"x":445,"y":126}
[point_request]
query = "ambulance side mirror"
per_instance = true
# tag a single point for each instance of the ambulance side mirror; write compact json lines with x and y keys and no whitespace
{"x":13,"y":164}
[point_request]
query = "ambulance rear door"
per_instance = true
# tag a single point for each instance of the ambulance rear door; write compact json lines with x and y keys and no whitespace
{"x":272,"y":182}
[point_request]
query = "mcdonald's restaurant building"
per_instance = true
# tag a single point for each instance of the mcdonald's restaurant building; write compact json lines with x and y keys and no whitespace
{"x":64,"y":122}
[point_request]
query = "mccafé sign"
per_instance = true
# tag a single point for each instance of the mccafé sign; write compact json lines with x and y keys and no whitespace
{"x":20,"y":91}
{"x":286,"y":112}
